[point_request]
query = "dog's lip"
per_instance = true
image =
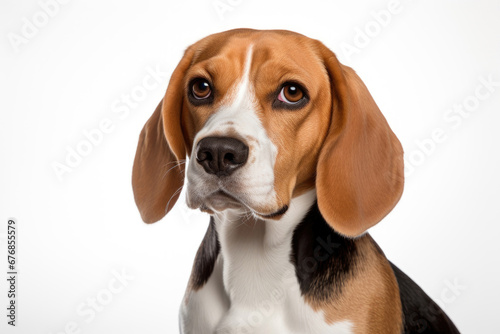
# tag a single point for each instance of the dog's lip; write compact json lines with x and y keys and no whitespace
{"x":276,"y":214}
{"x":224,"y":193}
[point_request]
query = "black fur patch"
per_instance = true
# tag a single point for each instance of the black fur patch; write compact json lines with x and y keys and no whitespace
{"x":205,"y":257}
{"x":323,"y":259}
{"x":421,"y":315}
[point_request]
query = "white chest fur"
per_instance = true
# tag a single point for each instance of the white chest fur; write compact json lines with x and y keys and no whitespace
{"x":253,"y":288}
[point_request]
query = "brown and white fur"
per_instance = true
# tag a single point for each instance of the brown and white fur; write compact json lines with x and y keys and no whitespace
{"x":286,"y":250}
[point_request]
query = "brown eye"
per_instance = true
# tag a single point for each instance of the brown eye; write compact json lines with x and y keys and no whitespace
{"x":291,"y":94}
{"x":201,"y":89}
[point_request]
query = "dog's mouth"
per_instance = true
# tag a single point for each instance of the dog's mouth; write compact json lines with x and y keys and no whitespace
{"x":221,"y":200}
{"x":274,"y":215}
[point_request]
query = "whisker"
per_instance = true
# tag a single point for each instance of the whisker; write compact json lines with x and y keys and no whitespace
{"x":176,"y":192}
{"x":174,"y":162}
{"x":177,"y":164}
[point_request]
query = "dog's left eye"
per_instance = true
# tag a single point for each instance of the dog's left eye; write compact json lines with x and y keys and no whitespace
{"x":291,"y":94}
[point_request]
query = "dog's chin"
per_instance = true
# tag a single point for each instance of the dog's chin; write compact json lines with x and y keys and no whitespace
{"x":220,"y":201}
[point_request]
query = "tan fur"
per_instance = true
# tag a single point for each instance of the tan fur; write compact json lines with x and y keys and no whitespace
{"x":155,"y":161}
{"x":370,"y":299}
{"x":360,"y":174}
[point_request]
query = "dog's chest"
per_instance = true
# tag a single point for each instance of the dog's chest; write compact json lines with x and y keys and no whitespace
{"x":254,"y":287}
{"x":260,"y":281}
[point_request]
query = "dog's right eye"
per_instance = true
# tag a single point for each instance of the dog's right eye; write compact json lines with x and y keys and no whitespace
{"x":201,"y":89}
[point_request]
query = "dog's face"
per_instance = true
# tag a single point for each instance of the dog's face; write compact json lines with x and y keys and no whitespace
{"x":265,"y":116}
{"x":261,"y":110}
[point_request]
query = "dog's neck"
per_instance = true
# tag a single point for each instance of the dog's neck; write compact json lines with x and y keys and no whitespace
{"x":255,"y":252}
{"x":234,"y":225}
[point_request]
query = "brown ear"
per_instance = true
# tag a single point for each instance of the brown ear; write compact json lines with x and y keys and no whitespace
{"x":360,"y":168}
{"x":158,"y":172}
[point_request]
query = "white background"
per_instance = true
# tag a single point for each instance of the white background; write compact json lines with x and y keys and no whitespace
{"x":75,"y":232}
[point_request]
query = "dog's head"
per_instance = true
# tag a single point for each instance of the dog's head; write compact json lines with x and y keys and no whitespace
{"x":265,"y":116}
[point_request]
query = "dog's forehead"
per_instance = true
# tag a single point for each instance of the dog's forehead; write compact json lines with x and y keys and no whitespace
{"x":282,"y":50}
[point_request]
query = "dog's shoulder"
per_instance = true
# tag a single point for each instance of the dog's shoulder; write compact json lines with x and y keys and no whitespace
{"x":345,"y":277}
{"x":421,"y":314}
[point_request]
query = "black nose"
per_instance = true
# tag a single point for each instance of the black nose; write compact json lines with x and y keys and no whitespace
{"x":221,"y":155}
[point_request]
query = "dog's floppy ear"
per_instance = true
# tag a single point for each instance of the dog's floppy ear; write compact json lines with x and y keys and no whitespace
{"x":360,"y":168}
{"x":158,"y":172}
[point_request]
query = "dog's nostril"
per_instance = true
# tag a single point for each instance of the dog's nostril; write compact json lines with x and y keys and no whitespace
{"x":229,"y":157}
{"x":204,"y":155}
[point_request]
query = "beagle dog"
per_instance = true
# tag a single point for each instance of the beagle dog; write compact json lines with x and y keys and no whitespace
{"x":293,"y":160}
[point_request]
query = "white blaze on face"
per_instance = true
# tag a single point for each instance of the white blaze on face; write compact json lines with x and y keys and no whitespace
{"x":253,"y":183}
